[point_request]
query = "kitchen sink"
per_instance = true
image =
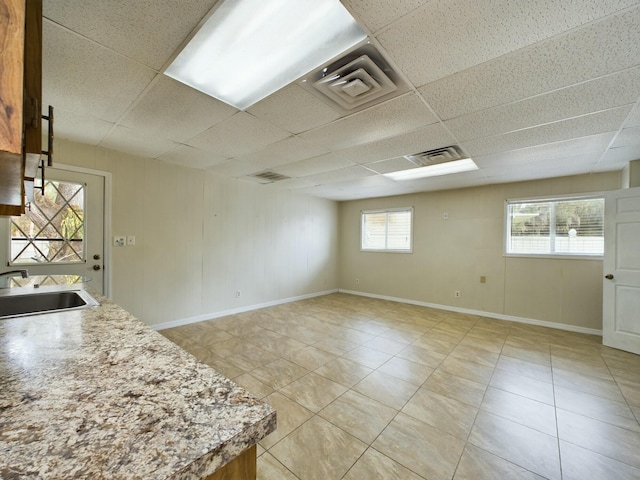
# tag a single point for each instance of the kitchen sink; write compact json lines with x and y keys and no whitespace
{"x":46,"y":302}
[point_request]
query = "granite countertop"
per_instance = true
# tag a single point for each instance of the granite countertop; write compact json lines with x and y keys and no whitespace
{"x":96,"y":393}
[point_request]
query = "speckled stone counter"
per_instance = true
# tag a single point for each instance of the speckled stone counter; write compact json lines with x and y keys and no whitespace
{"x":95,"y":393}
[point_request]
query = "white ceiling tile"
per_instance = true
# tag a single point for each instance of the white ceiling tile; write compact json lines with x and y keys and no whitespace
{"x":238,"y":135}
{"x":340,"y":175}
{"x":534,"y":171}
{"x":584,"y":146}
{"x":596,"y":95}
{"x":148,"y":31}
{"x":291,"y":184}
{"x":234,"y":168}
{"x":628,"y":137}
{"x":312,"y":166}
{"x":451,"y":36}
{"x":382,"y":121}
{"x":176,"y":110}
{"x":282,"y":152}
{"x":137,"y":143}
{"x":601,"y":122}
{"x":376,"y":14}
{"x":391,"y":165}
{"x":426,"y":138}
{"x":606,"y":46}
{"x":103,"y":83}
{"x":78,"y":128}
{"x":620,"y":155}
{"x":294,"y":109}
{"x":192,"y":157}
{"x":633,"y":120}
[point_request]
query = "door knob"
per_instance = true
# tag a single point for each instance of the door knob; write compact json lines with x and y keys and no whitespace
{"x":96,"y":267}
{"x":96,"y":256}
{"x":608,"y":276}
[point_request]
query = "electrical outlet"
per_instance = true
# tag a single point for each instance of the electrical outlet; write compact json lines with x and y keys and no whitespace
{"x":357,"y":281}
{"x":119,"y":241}
{"x":445,"y":215}
{"x":457,"y":294}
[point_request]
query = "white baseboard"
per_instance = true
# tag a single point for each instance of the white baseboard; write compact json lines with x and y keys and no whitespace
{"x":234,"y":311}
{"x":482,"y":313}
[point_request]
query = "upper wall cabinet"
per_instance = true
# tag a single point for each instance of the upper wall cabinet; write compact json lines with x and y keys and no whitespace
{"x":20,"y":101}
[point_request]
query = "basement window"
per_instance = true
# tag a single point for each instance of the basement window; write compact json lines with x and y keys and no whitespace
{"x":567,"y":226}
{"x":388,"y":230}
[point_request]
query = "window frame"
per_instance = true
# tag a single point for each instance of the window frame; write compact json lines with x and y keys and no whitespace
{"x":543,"y":199}
{"x":386,"y":211}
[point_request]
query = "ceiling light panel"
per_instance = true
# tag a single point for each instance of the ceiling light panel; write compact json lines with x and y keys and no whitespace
{"x":458,"y":166}
{"x":249,"y":49}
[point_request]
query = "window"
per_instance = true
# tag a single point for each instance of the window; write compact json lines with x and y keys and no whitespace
{"x":559,"y":226}
{"x":387,"y":230}
{"x":52,"y":230}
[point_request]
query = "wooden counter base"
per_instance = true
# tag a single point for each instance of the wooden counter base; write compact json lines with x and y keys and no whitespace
{"x":243,"y":467}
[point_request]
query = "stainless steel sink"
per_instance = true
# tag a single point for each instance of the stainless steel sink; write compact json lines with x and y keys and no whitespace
{"x":45,"y":302}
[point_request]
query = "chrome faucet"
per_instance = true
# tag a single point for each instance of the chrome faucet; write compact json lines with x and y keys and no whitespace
{"x":23,"y":273}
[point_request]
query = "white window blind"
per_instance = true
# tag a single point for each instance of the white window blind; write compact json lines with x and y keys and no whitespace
{"x":572,"y":226}
{"x":387,"y":230}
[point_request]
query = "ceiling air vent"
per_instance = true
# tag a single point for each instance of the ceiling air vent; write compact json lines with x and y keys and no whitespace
{"x":356,"y":81}
{"x":438,"y":155}
{"x":268,"y":177}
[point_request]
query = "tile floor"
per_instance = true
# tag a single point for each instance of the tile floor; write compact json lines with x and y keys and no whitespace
{"x":370,"y":389}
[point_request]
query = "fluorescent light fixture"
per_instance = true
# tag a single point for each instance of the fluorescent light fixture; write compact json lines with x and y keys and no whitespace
{"x":248,"y":49}
{"x":457,"y":166}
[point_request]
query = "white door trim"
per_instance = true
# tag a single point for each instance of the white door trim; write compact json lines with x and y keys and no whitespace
{"x":106,"y":221}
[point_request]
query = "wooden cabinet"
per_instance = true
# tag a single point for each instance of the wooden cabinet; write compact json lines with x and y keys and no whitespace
{"x":20,"y":100}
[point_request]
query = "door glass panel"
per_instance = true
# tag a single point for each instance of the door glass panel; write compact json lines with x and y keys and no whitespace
{"x":52,"y":230}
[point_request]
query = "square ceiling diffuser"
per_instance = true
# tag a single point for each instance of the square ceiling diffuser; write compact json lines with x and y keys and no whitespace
{"x":248,"y":49}
{"x":358,"y":80}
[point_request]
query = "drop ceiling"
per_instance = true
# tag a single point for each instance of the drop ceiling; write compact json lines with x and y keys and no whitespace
{"x":528,"y":89}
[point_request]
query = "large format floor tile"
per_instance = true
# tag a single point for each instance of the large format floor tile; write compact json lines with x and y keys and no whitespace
{"x":369,"y":389}
{"x":318,"y":450}
{"x":444,"y":413}
{"x":373,"y":464}
{"x":359,"y":415}
{"x":478,"y":464}
{"x":523,"y":446}
{"x":420,"y":447}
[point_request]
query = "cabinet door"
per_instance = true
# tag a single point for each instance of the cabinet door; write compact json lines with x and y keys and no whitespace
{"x":12,"y":24}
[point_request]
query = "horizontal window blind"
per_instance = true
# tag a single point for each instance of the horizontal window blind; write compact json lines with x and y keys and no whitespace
{"x":556,"y":227}
{"x":387,"y":230}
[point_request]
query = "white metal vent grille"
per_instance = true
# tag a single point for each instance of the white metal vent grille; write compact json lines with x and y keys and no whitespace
{"x":438,"y":155}
{"x":358,"y":80}
{"x":269,"y":176}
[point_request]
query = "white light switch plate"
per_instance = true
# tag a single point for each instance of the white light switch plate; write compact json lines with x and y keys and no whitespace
{"x":131,"y":240}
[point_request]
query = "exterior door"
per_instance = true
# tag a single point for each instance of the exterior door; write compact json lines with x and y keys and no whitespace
{"x":63,"y":233}
{"x":621,"y":302}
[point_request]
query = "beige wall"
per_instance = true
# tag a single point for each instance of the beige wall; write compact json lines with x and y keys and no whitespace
{"x":631,"y":175}
{"x":450,"y":255}
{"x":200,"y":238}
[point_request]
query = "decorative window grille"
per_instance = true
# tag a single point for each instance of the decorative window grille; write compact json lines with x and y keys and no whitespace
{"x":52,"y":230}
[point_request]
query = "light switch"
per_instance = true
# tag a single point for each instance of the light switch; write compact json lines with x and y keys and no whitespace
{"x":131,"y":240}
